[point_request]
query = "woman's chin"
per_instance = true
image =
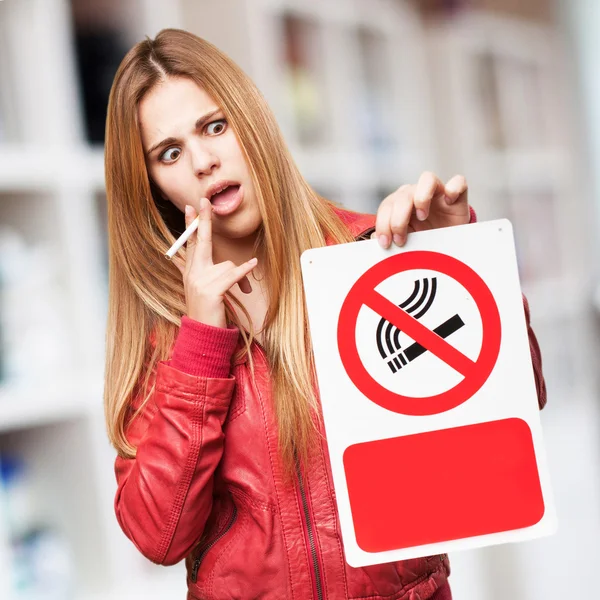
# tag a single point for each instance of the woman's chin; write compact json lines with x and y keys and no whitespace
{"x":239,"y":228}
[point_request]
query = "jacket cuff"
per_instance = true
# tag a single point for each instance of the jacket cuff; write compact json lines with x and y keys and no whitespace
{"x":472,"y":215}
{"x":203,"y":350}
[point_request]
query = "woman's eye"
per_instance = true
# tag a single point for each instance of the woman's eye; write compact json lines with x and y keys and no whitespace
{"x":217,"y":127}
{"x":171,"y":157}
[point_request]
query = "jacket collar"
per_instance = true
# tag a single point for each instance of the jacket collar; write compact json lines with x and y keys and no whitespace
{"x":356,"y":222}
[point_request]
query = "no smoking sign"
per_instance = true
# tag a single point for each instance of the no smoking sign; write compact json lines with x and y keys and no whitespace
{"x":428,"y":393}
{"x":364,"y":293}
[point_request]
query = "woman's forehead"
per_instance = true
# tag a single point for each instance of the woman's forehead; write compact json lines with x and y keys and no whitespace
{"x":172,"y":107}
{"x":177,"y":93}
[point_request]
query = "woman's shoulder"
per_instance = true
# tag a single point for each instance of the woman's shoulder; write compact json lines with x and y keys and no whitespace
{"x":358,"y":223}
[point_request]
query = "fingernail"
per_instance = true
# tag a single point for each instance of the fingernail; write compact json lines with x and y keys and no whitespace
{"x":421,"y":214}
{"x":188,"y":210}
{"x":397,"y":239}
{"x":383,"y":241}
{"x":253,"y":261}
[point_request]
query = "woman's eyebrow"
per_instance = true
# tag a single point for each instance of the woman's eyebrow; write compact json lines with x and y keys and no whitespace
{"x":198,"y":125}
{"x":165,"y":142}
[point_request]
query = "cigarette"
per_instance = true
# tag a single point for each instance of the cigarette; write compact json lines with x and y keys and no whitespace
{"x":183,"y":238}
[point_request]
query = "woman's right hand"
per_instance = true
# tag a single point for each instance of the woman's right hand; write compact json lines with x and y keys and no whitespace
{"x":205,"y":283}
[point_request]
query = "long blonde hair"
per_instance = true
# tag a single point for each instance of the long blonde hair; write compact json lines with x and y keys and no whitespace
{"x":146,"y":295}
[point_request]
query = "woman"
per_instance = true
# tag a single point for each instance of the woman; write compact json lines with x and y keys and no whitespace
{"x":209,"y":392}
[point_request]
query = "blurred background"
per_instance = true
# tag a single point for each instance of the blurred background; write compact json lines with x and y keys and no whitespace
{"x":368,"y":93}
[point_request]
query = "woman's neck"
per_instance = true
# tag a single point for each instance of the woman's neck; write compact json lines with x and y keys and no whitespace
{"x":237,"y":250}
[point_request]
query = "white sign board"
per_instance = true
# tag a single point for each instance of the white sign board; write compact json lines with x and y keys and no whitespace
{"x":428,"y":393}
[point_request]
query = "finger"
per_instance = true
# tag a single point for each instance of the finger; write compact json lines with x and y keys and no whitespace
{"x":190,"y":215}
{"x":455,"y":189}
{"x":383,"y":231}
{"x":203,"y":250}
{"x":429,"y":185}
{"x":400,"y":218}
{"x":236,"y":274}
{"x":179,"y":263}
{"x":221,"y":269}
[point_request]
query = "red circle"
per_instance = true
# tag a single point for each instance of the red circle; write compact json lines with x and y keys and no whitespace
{"x":490,"y":346}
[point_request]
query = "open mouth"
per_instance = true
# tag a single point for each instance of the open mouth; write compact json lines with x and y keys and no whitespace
{"x":225,"y":196}
{"x":227,"y":200}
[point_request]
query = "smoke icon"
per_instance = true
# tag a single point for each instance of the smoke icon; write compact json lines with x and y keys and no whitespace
{"x":417,"y":304}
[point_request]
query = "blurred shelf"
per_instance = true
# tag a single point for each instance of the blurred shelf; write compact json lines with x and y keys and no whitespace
{"x":375,"y":14}
{"x":519,"y":169}
{"x":23,"y":406}
{"x":553,"y":299}
{"x":330,"y":167}
{"x":596,"y":298}
{"x":34,"y":167}
{"x":160,"y":583}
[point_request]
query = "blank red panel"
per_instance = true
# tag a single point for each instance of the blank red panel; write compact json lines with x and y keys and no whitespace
{"x":443,"y":485}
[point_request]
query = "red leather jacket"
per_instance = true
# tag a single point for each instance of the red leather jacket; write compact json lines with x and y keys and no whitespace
{"x":207,"y":485}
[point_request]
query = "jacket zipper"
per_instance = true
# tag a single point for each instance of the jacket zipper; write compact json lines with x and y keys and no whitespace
{"x":307,"y":524}
{"x":205,"y":549}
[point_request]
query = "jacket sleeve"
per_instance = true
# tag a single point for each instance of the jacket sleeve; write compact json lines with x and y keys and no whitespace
{"x":534,"y":348}
{"x":164,"y":494}
{"x":536,"y":358}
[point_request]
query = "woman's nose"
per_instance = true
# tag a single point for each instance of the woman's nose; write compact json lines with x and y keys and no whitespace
{"x":203,"y":159}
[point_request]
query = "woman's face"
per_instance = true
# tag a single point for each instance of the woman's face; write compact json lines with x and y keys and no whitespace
{"x":191,"y":152}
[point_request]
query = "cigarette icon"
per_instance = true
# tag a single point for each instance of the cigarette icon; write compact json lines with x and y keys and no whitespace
{"x":415,"y":350}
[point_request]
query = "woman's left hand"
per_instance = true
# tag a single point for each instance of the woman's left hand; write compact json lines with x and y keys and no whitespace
{"x":427,"y":205}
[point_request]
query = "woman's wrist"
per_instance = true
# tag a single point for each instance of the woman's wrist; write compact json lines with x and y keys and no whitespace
{"x":204,"y":350}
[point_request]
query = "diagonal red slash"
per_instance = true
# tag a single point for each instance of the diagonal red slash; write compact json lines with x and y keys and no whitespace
{"x":419,"y":333}
{"x":362,"y":293}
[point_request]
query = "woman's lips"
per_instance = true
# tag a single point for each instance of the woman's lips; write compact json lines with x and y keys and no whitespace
{"x":227,"y":201}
